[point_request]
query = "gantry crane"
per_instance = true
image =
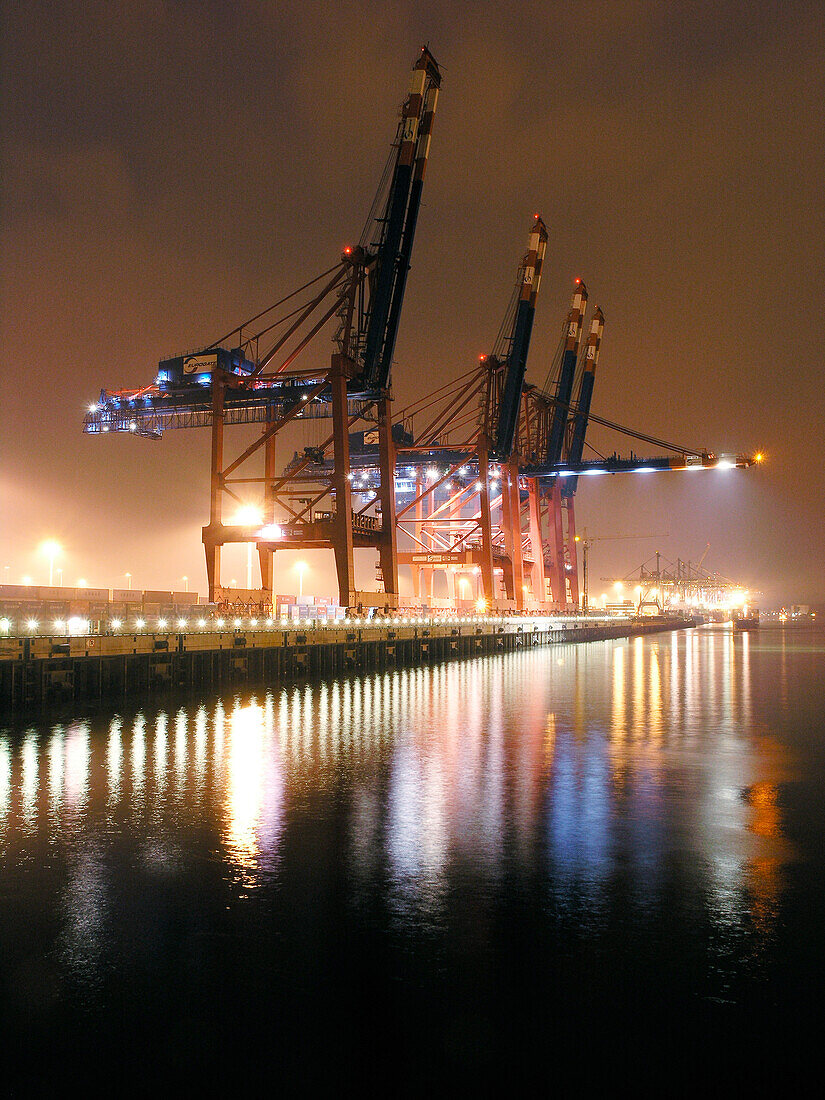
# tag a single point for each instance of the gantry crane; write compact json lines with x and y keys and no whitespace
{"x":586,"y":541}
{"x":526,"y":446}
{"x":482,"y":474}
{"x":216,"y":386}
{"x":682,"y":582}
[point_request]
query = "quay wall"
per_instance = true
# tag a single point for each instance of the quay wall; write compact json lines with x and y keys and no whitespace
{"x":54,"y":669}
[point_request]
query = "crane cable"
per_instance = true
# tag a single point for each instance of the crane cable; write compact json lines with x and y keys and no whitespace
{"x":263,"y":313}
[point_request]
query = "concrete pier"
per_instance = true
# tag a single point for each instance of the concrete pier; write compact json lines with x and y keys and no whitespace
{"x":54,"y":669}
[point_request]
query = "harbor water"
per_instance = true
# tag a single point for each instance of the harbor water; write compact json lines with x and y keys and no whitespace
{"x":590,"y":859}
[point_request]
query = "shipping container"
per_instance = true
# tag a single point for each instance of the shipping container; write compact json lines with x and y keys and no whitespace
{"x":184,"y":599}
{"x":152,"y":597}
{"x":126,"y":595}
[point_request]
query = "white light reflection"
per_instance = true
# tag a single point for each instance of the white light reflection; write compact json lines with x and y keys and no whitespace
{"x":200,"y":748}
{"x":54,"y":753}
{"x":76,"y":765}
{"x":254,"y":795}
{"x":180,"y":752}
{"x":160,"y":756}
{"x":114,"y":758}
{"x":5,"y":781}
{"x":28,"y":780}
{"x":82,"y":942}
{"x":138,"y":756}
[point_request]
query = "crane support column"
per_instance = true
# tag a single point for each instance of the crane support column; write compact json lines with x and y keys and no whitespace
{"x":342,"y":520}
{"x":572,"y":556}
{"x":486,"y":527}
{"x":388,"y":546}
{"x":514,"y":509}
{"x":559,"y":582}
{"x":537,"y":574}
{"x":211,"y":545}
{"x":266,"y":555}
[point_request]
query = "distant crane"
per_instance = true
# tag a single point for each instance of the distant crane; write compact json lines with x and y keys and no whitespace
{"x":586,"y":541}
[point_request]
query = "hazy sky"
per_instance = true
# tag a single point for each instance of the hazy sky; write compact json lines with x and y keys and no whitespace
{"x":169,"y":168}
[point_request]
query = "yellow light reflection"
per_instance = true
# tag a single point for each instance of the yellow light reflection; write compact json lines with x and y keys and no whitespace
{"x":766,"y":820}
{"x":655,"y":693}
{"x":245,"y":788}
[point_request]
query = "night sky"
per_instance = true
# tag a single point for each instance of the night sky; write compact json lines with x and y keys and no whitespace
{"x":170,"y":168}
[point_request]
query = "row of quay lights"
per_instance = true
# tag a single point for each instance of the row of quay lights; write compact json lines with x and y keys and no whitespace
{"x":431,"y":473}
{"x":78,"y":626}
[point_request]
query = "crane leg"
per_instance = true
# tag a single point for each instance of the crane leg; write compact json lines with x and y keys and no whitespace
{"x":572,"y":556}
{"x":388,"y":547}
{"x":342,"y":523}
{"x":486,"y":528}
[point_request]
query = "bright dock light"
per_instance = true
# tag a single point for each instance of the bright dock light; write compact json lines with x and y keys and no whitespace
{"x":51,"y":549}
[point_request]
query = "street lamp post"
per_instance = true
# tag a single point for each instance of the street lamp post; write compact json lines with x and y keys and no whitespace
{"x":129,"y":580}
{"x":51,"y":549}
{"x":249,"y":516}
{"x":185,"y":584}
{"x":301,"y":567}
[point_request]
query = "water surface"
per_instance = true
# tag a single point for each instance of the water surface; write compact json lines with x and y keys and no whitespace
{"x":576,"y":854}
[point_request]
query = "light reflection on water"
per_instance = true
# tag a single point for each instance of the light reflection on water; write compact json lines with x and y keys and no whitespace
{"x":582,"y":766}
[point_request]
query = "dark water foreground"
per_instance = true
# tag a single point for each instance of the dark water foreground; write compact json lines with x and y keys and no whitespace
{"x":600,"y":860}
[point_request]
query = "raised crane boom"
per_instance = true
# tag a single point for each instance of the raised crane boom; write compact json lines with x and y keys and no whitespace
{"x":403,"y":204}
{"x":591,"y":359}
{"x":567,"y":373}
{"x":520,"y":342}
